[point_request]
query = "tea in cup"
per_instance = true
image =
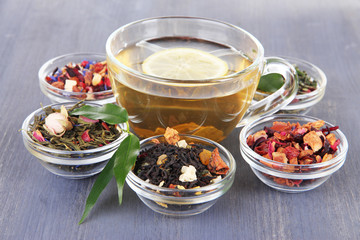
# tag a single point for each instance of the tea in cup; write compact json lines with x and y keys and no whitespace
{"x":195,"y":75}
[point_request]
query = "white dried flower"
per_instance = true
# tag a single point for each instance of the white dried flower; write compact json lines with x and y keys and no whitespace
{"x":57,"y":123}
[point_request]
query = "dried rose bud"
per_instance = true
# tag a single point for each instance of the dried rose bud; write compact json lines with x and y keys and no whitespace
{"x":57,"y":123}
{"x":37,"y":134}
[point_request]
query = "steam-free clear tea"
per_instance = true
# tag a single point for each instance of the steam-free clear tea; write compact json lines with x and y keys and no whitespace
{"x":189,"y":104}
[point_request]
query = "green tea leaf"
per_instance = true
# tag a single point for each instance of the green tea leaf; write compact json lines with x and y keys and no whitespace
{"x":271,"y":82}
{"x":129,"y":149}
{"x":110,"y":113}
{"x":101,"y":182}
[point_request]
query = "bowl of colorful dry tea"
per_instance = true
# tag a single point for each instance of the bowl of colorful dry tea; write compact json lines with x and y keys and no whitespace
{"x":75,"y":77}
{"x":181,"y":175}
{"x":293,"y":153}
{"x":69,"y":144}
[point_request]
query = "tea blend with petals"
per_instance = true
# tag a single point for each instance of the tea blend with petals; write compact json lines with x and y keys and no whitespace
{"x":294,"y":144}
{"x":57,"y":130}
{"x":178,"y":164}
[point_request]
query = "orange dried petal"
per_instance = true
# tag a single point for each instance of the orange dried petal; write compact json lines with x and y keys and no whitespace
{"x":279,"y":157}
{"x":155,"y":140}
{"x":260,"y":134}
{"x":304,"y":153}
{"x":281,"y":126}
{"x":317,"y":124}
{"x":205,"y":157}
{"x":216,"y":164}
{"x":327,"y":157}
{"x":313,"y":140}
{"x":280,"y":136}
{"x":331,"y":138}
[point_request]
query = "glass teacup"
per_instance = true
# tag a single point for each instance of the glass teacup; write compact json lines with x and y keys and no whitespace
{"x":210,"y":107}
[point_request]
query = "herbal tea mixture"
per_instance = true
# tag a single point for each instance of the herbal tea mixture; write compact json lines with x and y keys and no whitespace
{"x":307,"y":84}
{"x":292,"y":143}
{"x":178,"y":164}
{"x":86,"y":77}
{"x":272,"y":82}
{"x":57,"y":130}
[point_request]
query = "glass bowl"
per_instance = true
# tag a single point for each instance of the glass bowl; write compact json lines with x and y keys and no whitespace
{"x":57,"y":95}
{"x":276,"y":174}
{"x":69,"y":164}
{"x":183,"y":202}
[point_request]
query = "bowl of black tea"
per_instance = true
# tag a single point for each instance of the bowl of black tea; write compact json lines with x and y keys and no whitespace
{"x":69,"y":145}
{"x":181,"y":175}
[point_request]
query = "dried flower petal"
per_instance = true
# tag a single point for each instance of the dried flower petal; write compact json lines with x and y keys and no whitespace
{"x":105,"y":126}
{"x":155,"y":140}
{"x":280,"y":157}
{"x":87,"y":120}
{"x":86,"y":137}
{"x":334,"y":146}
{"x":216,"y":164}
{"x":281,"y":126}
{"x":313,"y":140}
{"x":37,"y":134}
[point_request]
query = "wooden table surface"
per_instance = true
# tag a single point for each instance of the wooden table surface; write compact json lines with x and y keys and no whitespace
{"x":35,"y":204}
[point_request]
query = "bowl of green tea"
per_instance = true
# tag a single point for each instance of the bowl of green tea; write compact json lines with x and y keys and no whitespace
{"x":311,"y":86}
{"x":69,"y":144}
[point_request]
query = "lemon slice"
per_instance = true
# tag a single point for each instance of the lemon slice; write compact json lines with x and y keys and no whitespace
{"x":184,"y":64}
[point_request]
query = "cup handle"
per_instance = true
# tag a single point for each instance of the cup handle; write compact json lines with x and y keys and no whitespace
{"x":265,"y":104}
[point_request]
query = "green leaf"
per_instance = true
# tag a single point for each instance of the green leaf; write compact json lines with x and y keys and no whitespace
{"x":271,"y":82}
{"x":119,"y":165}
{"x":129,"y":149}
{"x":110,"y":113}
{"x":101,"y":182}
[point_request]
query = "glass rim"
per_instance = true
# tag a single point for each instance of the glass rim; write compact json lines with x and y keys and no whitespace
{"x":255,"y":62}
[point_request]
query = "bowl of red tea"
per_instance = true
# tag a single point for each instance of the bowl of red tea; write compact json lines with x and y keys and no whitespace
{"x":293,"y":153}
{"x":181,"y":175}
{"x":70,"y":145}
{"x":75,"y":77}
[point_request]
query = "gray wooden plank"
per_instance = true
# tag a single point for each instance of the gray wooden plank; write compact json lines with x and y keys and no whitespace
{"x":34,"y":204}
